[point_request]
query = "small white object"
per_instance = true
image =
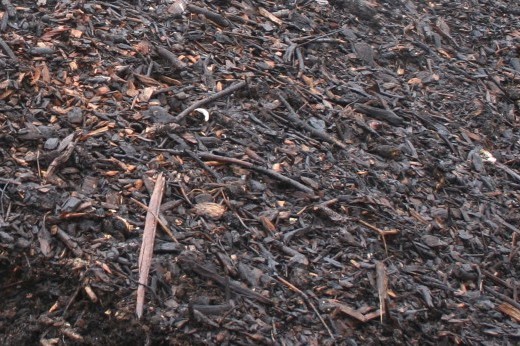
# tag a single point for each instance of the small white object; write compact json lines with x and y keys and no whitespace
{"x":487,"y":156}
{"x":203,"y":112}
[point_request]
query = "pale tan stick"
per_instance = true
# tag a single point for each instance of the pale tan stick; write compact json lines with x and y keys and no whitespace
{"x":146,"y":254}
{"x":382,"y":287}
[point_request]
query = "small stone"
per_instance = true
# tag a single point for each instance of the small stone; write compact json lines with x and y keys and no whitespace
{"x":51,"y":143}
{"x":71,"y":204}
{"x":75,"y":116}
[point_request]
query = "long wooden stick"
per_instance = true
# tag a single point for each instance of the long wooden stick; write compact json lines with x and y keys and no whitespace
{"x":146,"y":254}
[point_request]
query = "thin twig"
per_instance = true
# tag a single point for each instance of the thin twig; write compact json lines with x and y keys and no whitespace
{"x":381,"y":232}
{"x":225,"y":159}
{"x":503,"y":297}
{"x":209,"y":99}
{"x":159,"y":221}
{"x":295,"y":119}
{"x":269,"y":172}
{"x":194,"y":156}
{"x":189,"y":264}
{"x":307,"y":300}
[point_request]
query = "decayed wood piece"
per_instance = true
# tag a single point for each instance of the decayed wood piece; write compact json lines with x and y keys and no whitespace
{"x":63,"y":326}
{"x":510,"y":310}
{"x":146,"y":253}
{"x":508,"y":170}
{"x":67,"y":240}
{"x":211,"y":309}
{"x":8,"y":50}
{"x":296,"y":256}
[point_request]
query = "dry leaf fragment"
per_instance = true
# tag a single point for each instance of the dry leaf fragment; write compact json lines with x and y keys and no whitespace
{"x":76,"y":33}
{"x":415,"y":81}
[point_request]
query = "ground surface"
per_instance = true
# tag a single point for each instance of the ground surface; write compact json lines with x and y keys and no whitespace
{"x":354,"y":181}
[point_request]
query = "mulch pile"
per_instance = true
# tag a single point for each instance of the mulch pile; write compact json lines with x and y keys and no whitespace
{"x":336,"y":172}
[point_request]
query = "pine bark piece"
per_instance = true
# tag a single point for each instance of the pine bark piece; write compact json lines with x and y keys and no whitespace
{"x":146,"y":254}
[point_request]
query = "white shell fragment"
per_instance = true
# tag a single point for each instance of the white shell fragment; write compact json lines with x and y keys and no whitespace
{"x":203,"y":112}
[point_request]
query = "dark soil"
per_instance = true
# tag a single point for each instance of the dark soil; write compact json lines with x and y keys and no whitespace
{"x":342,"y":172}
